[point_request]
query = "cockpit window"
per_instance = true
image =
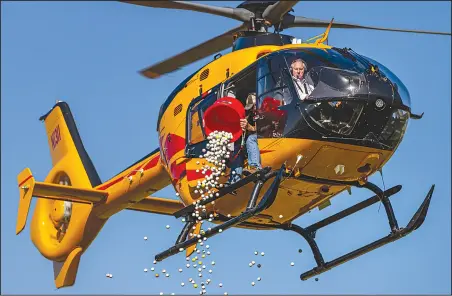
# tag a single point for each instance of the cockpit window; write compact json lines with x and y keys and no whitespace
{"x":315,"y":57}
{"x":295,"y":76}
{"x":398,"y":84}
{"x":310,"y":73}
{"x":326,"y":74}
{"x":272,"y":81}
{"x":335,"y":92}
{"x":336,"y":117}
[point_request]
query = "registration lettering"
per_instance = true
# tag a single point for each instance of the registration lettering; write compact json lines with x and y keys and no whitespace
{"x":55,"y":138}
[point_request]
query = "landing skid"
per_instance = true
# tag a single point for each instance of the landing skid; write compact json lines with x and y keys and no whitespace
{"x":308,"y":233}
{"x":396,"y":233}
{"x":252,"y":209}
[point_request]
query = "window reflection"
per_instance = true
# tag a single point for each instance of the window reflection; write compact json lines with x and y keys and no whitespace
{"x":333,"y":91}
{"x":196,"y":127}
{"x":395,"y":128}
{"x":271,"y":81}
{"x":337,"y":117}
{"x":401,"y":90}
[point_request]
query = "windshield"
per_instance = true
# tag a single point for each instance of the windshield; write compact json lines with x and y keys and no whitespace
{"x":333,"y":91}
{"x":334,"y":74}
{"x":290,"y":77}
{"x":402,"y":91}
{"x":328,"y":74}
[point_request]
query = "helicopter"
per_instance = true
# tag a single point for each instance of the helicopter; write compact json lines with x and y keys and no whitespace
{"x":344,"y":131}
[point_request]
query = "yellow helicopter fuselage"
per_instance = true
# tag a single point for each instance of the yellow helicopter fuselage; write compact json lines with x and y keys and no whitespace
{"x":131,"y":189}
{"x":295,"y":197}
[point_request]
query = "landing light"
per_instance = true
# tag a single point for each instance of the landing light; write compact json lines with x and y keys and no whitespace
{"x":380,"y":104}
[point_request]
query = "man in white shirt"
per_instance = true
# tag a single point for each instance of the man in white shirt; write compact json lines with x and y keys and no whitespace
{"x":298,"y":68}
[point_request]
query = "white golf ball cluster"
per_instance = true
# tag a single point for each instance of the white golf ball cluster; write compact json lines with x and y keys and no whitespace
{"x":212,"y":165}
{"x":216,"y":154}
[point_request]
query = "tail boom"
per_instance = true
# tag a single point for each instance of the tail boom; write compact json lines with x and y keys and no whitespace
{"x":133,"y":186}
{"x":73,"y":204}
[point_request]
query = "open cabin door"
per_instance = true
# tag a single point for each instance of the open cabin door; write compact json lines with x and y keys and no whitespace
{"x":196,"y":138}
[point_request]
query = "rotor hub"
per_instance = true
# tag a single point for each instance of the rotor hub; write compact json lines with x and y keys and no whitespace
{"x":257,"y":23}
{"x":257,"y":7}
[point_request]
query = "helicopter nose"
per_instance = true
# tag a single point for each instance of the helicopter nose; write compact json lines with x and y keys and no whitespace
{"x":385,"y":122}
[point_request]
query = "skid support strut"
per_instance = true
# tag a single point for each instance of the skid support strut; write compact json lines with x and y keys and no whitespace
{"x":396,"y":233}
{"x":186,"y":230}
{"x":252,"y":210}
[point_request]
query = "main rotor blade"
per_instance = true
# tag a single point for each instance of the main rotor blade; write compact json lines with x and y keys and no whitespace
{"x":299,"y":21}
{"x":194,"y":54}
{"x":275,"y":12}
{"x":239,"y":14}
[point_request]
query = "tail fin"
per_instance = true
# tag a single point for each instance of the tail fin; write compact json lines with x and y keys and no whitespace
{"x":58,"y":227}
{"x":64,"y":140}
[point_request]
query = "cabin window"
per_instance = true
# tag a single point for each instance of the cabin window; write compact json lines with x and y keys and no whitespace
{"x":274,"y":96}
{"x":195,"y":133}
{"x":195,"y":126}
{"x":241,"y":85}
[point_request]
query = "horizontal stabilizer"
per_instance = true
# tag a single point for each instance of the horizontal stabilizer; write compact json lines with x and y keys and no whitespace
{"x":29,"y":187}
{"x":157,"y":205}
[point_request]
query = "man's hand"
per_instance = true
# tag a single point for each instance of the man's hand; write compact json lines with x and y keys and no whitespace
{"x":243,"y":123}
{"x":336,"y":104}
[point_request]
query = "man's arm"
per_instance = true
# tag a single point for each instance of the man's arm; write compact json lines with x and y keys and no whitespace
{"x":245,"y":125}
{"x":251,"y":128}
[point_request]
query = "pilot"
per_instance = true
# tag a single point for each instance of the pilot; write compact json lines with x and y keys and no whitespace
{"x":248,"y":125}
{"x":298,"y":69}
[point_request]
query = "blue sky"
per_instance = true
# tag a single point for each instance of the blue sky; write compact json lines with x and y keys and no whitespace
{"x":88,"y":54}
